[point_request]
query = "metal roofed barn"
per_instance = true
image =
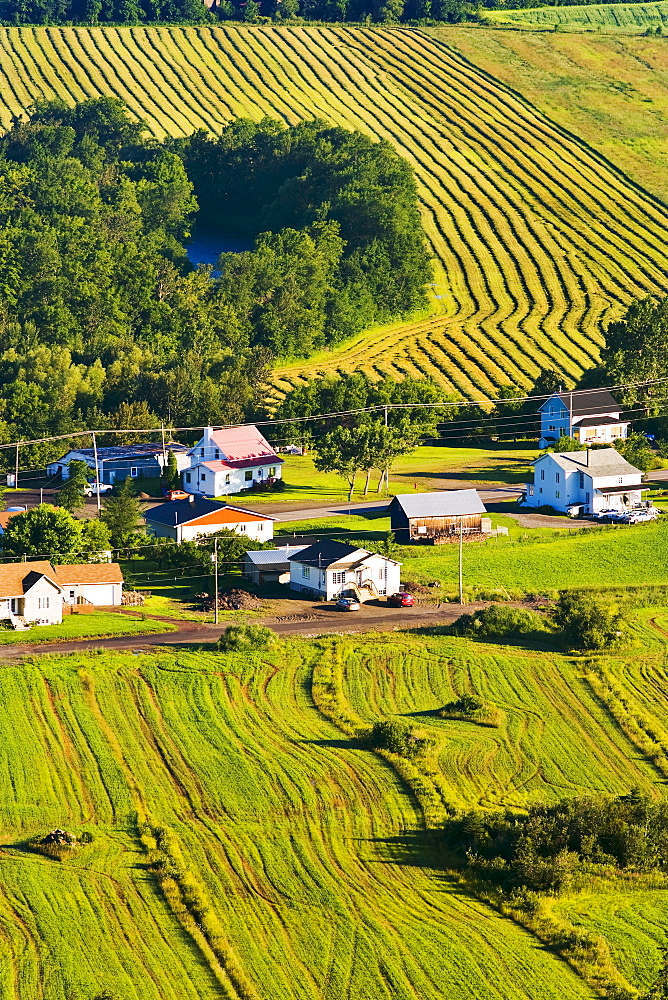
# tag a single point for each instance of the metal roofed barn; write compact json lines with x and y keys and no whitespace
{"x":436,"y":517}
{"x":269,"y":565}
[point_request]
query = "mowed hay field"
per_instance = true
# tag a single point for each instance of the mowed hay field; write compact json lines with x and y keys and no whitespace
{"x":288,"y":874}
{"x":634,"y":17}
{"x":538,"y":241}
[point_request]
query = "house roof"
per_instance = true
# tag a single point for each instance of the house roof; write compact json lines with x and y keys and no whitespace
{"x":6,"y":515}
{"x":442,"y":503}
{"x":201,"y":511}
{"x":326,"y":553}
{"x":241,"y":443}
{"x":18,"y":578}
{"x":597,"y":463}
{"x":584,"y":401}
{"x":77,"y":574}
{"x":599,"y":421}
{"x":274,"y":557}
{"x":116,"y":452}
{"x":218,"y":465}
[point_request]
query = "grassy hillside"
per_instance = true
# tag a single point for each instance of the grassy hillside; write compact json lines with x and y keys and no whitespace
{"x":624,"y":17}
{"x":610,"y":90}
{"x":245,"y":848}
{"x":537,"y":241}
{"x":289,"y":843}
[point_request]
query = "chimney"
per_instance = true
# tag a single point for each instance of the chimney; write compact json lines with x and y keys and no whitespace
{"x":191,"y":498}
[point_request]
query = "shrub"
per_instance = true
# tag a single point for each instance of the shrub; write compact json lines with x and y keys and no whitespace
{"x":470,"y":708}
{"x":498,"y":621}
{"x":399,"y":738}
{"x":240,"y":638}
{"x":586,"y":622}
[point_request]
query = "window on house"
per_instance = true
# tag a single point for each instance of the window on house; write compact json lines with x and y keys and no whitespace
{"x":540,"y":489}
{"x":338,"y":578}
{"x":260,"y":527}
{"x":201,"y":451}
{"x":227,"y":479}
{"x":557,"y":494}
{"x":552,"y":427}
{"x":587,"y":497}
{"x":382,"y":573}
{"x":43,"y":602}
{"x":188,"y":477}
{"x":134,"y":472}
{"x":582,"y":480}
{"x":542,"y":473}
{"x":621,"y":480}
{"x":242,"y":527}
{"x":248,"y":475}
{"x":306,"y":572}
{"x":557,"y":477}
{"x":530,"y":489}
{"x":217,"y":453}
{"x":272,"y":470}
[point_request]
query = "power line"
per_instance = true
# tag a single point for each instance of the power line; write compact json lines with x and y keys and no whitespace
{"x":376,"y":408}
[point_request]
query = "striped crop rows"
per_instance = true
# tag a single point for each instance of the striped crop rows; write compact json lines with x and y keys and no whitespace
{"x":537,"y":240}
{"x":622,"y":17}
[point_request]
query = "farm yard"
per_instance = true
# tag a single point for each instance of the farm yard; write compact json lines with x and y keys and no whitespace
{"x":233,"y":825}
{"x":538,"y":241}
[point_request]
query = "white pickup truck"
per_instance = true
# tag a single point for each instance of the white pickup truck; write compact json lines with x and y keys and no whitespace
{"x":90,"y":489}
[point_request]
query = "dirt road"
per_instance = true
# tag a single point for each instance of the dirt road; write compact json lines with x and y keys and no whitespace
{"x":308,"y":623}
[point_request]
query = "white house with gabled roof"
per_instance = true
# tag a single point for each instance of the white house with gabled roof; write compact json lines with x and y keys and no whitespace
{"x":591,"y":416}
{"x":585,"y":482}
{"x":229,"y":461}
{"x":331,"y":569}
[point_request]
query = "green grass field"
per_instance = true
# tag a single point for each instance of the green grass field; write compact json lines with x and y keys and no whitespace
{"x":427,"y":468}
{"x":528,"y":561}
{"x":89,"y":626}
{"x":538,"y":241}
{"x":299,"y":863}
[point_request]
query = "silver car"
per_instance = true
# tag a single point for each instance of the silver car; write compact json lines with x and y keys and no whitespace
{"x":347,"y":604}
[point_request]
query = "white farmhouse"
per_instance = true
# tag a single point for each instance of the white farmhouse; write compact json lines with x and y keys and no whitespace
{"x":37,"y":591}
{"x":228,"y":461}
{"x":591,"y":416}
{"x":585,"y":482}
{"x":331,"y":569}
{"x":185,"y":520}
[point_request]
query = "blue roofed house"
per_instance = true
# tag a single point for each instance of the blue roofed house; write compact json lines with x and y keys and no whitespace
{"x":118,"y":462}
{"x":591,"y":416}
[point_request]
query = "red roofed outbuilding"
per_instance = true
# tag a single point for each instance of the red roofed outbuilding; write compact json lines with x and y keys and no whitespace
{"x":230,"y":461}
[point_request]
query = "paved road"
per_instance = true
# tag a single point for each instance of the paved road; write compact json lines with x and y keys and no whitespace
{"x":315,"y":622}
{"x":308,"y":512}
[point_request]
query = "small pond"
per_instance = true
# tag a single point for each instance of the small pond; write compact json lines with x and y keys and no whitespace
{"x":206,"y":248}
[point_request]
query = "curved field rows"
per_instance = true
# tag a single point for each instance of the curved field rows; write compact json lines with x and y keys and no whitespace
{"x":308,"y":848}
{"x":537,"y":241}
{"x":632,"y":17}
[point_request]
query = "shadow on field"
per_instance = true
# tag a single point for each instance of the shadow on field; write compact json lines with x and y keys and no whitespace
{"x":349,"y":744}
{"x":416,"y":849}
{"x":434,"y":713}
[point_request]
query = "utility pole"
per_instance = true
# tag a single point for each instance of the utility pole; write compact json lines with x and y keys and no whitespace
{"x":215,"y":579}
{"x":97,"y":474}
{"x":461,"y":554}
{"x":164,"y":451}
{"x":16,"y":471}
{"x":387,"y":469}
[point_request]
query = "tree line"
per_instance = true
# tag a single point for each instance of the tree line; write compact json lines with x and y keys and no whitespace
{"x":104,"y":323}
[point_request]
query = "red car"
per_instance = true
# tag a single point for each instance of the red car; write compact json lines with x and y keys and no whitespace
{"x":401,"y":600}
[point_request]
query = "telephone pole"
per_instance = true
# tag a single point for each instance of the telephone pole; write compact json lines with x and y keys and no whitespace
{"x":215,"y":580}
{"x":461,"y":554}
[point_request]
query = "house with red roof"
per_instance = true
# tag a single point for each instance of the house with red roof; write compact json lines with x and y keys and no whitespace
{"x":231,"y":460}
{"x":185,"y":520}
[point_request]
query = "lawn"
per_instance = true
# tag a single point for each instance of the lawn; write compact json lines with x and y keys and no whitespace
{"x":430,"y":467}
{"x":89,"y":626}
{"x":295,"y":857}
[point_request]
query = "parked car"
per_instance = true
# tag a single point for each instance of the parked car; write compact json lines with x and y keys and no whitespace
{"x":90,"y":489}
{"x":401,"y":600}
{"x":175,"y":495}
{"x":347,"y":604}
{"x":638,"y":516}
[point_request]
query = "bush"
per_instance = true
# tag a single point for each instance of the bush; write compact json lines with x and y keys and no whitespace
{"x":587,"y":623}
{"x":399,"y":738}
{"x":240,"y":638}
{"x":498,"y":621}
{"x":471,"y":708}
